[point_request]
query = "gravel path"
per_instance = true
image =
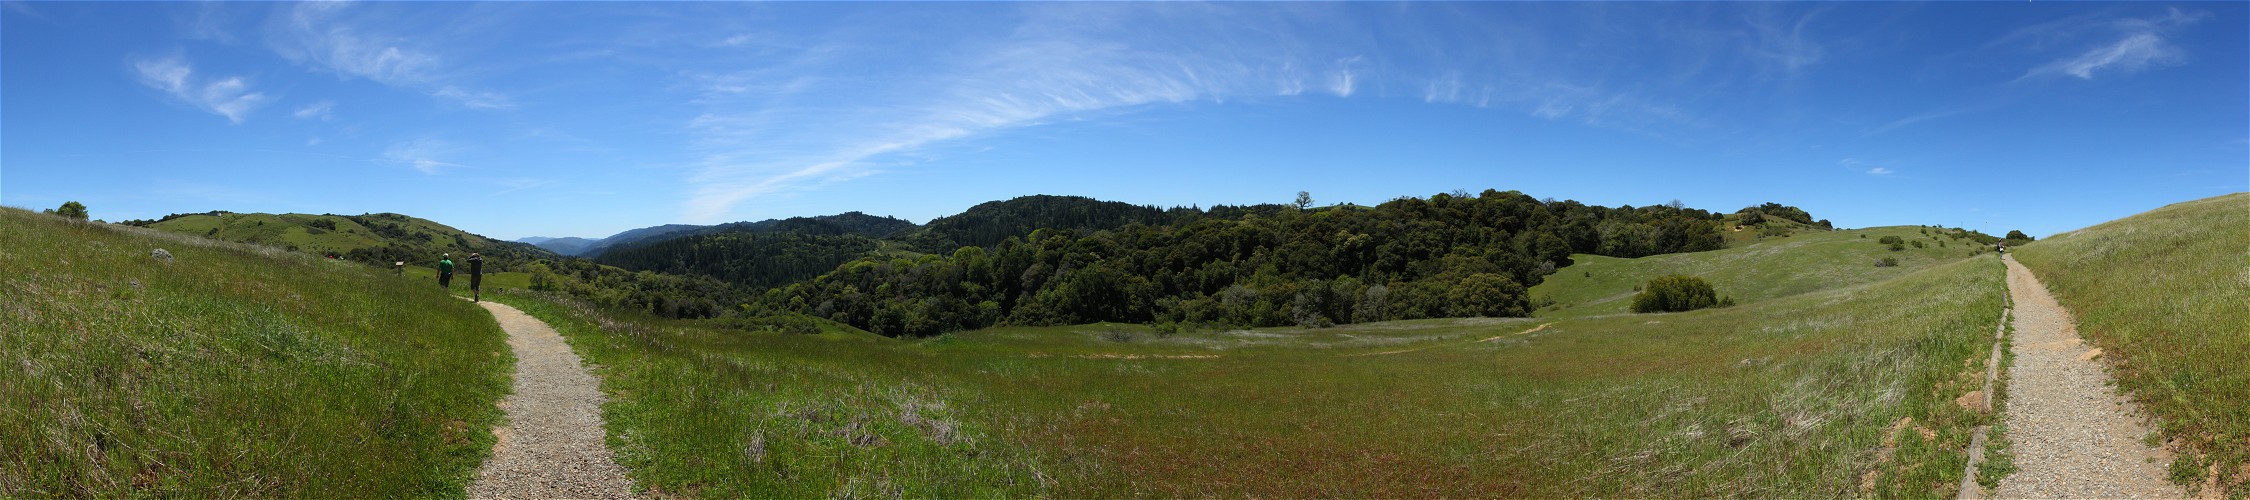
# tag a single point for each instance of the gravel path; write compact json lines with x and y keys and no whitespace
{"x":552,"y":446}
{"x":2074,"y":437}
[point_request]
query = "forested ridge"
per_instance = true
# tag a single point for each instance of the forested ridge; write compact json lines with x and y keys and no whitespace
{"x":1444,"y":256}
{"x":762,"y":254}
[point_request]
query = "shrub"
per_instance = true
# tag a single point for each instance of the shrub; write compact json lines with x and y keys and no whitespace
{"x":76,"y":210}
{"x":1489,"y":295}
{"x":1897,"y":247}
{"x":1886,"y":262}
{"x":1116,"y":335}
{"x":1675,"y":293}
{"x":1892,"y":240}
{"x":1917,"y":243}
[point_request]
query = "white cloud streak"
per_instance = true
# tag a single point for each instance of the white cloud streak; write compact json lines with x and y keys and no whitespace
{"x":422,"y":154}
{"x":322,"y":35}
{"x":2137,"y":45}
{"x":230,"y":97}
{"x":323,"y":111}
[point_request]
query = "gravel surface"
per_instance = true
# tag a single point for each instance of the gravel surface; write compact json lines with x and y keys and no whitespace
{"x":552,"y":446}
{"x":2073,"y":436}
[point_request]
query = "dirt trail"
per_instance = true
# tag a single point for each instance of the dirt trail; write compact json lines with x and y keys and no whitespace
{"x":2073,"y":436}
{"x":552,"y":446}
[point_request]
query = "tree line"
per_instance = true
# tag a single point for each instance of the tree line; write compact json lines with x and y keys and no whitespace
{"x":1448,"y":255}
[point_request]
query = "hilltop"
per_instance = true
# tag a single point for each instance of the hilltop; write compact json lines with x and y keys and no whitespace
{"x":380,"y":238}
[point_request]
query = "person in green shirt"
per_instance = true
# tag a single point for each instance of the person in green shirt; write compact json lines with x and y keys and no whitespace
{"x":445,"y":271}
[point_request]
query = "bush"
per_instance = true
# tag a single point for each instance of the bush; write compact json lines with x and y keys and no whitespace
{"x":1886,"y":262}
{"x":76,"y":210}
{"x":1892,"y":240}
{"x":1675,"y":293}
{"x":1488,"y":295}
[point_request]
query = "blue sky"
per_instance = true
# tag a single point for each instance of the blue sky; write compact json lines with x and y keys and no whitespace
{"x":584,"y":119}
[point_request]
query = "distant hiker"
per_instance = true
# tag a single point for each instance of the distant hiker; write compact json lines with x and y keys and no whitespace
{"x":445,"y":271}
{"x":476,"y":277}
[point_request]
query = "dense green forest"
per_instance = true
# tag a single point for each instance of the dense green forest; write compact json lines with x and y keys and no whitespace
{"x":1448,"y":255}
{"x":762,"y":254}
{"x":991,"y":222}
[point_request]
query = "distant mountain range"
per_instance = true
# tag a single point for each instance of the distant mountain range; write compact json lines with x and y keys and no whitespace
{"x":844,"y":223}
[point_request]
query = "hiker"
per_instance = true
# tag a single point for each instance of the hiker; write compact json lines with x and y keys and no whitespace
{"x":476,"y":277}
{"x":445,"y":271}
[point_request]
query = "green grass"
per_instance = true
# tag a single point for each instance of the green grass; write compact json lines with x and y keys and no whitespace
{"x":1760,"y":270}
{"x":2163,"y":293}
{"x":232,"y":371}
{"x":704,"y":411}
{"x":1789,"y":396}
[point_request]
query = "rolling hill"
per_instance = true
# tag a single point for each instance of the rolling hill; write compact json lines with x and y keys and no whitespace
{"x":2162,"y":293}
{"x":565,"y":246}
{"x":371,"y":238}
{"x":1756,"y":270}
{"x":149,"y":363}
{"x":826,"y":225}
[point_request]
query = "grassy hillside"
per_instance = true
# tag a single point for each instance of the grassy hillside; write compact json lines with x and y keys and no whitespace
{"x":231,"y":371}
{"x":1761,"y":269}
{"x":1841,"y":392}
{"x":374,"y":238}
{"x":2166,"y":295}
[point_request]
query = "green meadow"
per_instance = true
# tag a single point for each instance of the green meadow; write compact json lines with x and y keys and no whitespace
{"x":1843,"y":388}
{"x":1760,"y":269}
{"x":231,"y":370}
{"x":2166,"y":295}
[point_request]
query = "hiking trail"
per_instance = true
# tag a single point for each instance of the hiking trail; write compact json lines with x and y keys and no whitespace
{"x":2073,"y":435}
{"x":552,"y":446}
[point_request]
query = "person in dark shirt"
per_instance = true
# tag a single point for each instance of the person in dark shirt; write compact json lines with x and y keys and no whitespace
{"x":476,"y":277}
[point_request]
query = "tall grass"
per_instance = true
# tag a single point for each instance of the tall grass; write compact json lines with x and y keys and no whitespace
{"x":2163,"y":293}
{"x":1793,"y":396}
{"x":231,"y":371}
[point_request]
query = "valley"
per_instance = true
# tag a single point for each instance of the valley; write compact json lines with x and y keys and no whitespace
{"x":1832,"y":373}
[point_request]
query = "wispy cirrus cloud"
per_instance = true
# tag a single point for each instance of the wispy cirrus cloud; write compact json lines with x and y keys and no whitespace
{"x":424,"y":154}
{"x":323,"y":110}
{"x":858,"y":103}
{"x":1856,"y":165}
{"x":325,"y":35}
{"x":230,"y":97}
{"x":2129,"y":45}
